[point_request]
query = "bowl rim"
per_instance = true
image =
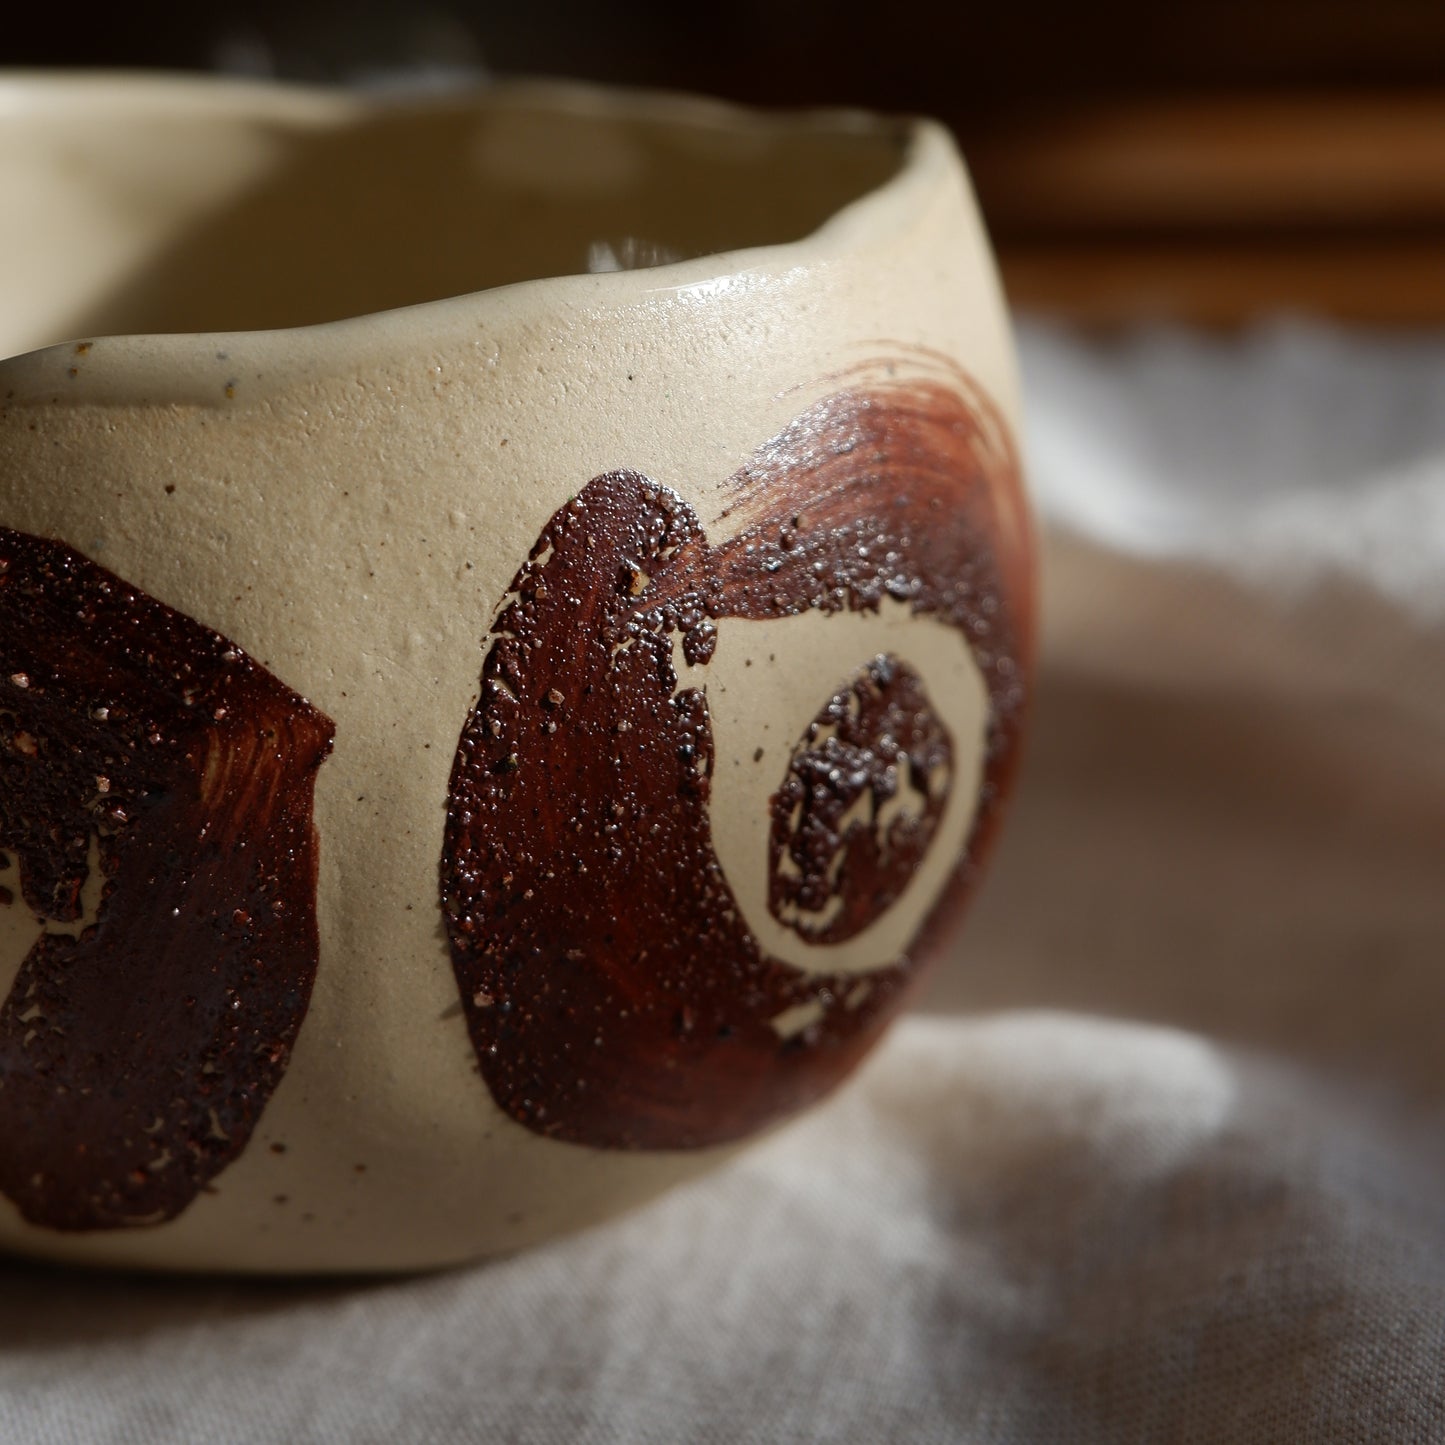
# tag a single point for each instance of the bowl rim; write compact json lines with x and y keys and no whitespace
{"x":927,"y":157}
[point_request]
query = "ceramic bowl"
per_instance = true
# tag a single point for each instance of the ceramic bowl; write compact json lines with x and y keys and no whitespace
{"x":514,"y":629}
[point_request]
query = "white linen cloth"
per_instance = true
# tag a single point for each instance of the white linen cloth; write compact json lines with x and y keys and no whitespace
{"x":1162,"y":1158}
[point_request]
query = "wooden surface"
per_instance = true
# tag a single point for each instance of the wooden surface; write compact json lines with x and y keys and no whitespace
{"x":1219,"y":210}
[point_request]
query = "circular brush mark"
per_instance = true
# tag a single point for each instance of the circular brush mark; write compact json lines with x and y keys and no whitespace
{"x":613,"y":991}
{"x":155,"y":816}
{"x":863,"y":797}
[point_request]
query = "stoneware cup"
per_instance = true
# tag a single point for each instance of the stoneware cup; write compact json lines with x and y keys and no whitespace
{"x":514,"y":629}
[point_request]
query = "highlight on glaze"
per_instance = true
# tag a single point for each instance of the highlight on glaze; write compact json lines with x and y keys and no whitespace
{"x":157,"y":913}
{"x":614,"y":991}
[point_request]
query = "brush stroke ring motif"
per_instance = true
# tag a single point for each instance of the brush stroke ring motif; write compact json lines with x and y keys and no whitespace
{"x":157,"y":913}
{"x":617,"y":989}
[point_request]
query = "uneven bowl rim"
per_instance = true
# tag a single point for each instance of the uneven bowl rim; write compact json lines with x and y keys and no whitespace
{"x":927,"y":154}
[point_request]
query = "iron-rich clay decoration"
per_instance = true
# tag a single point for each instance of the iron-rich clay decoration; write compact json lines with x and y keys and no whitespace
{"x":155,"y":816}
{"x":860,"y":805}
{"x":613,"y":990}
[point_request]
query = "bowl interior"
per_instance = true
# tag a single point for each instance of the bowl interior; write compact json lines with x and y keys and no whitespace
{"x":136,"y":207}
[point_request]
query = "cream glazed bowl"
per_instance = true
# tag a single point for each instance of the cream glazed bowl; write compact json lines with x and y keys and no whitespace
{"x":515,"y":619}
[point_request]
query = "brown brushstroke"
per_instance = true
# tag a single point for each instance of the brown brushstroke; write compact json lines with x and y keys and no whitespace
{"x":865,"y":791}
{"x":613,"y":991}
{"x":136,"y":1057}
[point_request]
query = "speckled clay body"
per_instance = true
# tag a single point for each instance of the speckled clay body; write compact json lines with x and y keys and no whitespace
{"x":478,"y":739}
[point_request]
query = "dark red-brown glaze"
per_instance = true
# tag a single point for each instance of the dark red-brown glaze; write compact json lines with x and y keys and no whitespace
{"x":864,"y":794}
{"x":613,"y":991}
{"x":136,"y":1057}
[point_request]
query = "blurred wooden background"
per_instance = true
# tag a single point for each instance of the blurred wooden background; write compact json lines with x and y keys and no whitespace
{"x":1212,"y":161}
